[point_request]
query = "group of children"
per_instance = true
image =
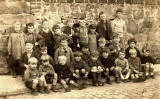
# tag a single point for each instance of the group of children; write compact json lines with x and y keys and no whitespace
{"x":71,"y":55}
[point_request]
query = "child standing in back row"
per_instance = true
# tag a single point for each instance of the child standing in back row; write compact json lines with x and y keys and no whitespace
{"x":16,"y":47}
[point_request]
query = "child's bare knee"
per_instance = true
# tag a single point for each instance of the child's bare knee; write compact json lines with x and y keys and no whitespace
{"x":83,"y":70}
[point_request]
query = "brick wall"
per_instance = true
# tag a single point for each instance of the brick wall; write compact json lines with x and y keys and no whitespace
{"x":142,"y":16}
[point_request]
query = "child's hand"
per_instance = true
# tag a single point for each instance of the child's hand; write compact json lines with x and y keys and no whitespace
{"x":67,"y":79}
{"x":25,"y":65}
{"x":75,"y":75}
{"x":36,"y":43}
{"x":94,"y":69}
{"x":111,"y":68}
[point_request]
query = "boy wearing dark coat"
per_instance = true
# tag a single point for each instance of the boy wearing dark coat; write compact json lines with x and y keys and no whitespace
{"x":96,"y":68}
{"x":48,"y":37}
{"x":80,"y":69}
{"x":132,"y":45}
{"x":65,"y":74}
{"x":147,"y":63}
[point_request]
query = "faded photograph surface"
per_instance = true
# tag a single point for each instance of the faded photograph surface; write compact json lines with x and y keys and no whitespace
{"x":79,"y":49}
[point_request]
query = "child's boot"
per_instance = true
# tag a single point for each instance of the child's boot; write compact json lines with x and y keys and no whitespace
{"x":117,"y":80}
{"x":34,"y":92}
{"x":47,"y":90}
{"x":41,"y":89}
{"x":54,"y":89}
{"x":67,"y":89}
{"x":108,"y":81}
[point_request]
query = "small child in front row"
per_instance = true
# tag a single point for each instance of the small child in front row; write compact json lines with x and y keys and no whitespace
{"x":108,"y":64}
{"x":96,"y":68}
{"x":81,"y":69}
{"x":65,"y":74}
{"x":147,"y":63}
{"x":31,"y":76}
{"x":47,"y":72}
{"x":122,"y":63}
{"x":135,"y":64}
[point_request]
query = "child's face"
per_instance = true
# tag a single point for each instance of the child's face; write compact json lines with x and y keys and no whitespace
{"x":102,"y":44}
{"x":64,"y":43}
{"x":17,"y":27}
{"x":62,"y":61}
{"x":132,"y":45}
{"x":103,"y":17}
{"x":43,"y":52}
{"x":116,"y":40}
{"x":146,"y":53}
{"x":45,"y":25}
{"x":119,"y":14}
{"x":133,"y":55}
{"x":82,"y":23}
{"x":33,"y":65}
{"x":85,"y":49}
{"x":121,"y":55}
{"x":94,"y":58}
{"x":30,"y":29}
{"x":105,"y":54}
{"x":70,"y":23}
{"x":77,"y":58}
{"x":57,"y":31}
{"x":29,"y":47}
{"x":45,"y":62}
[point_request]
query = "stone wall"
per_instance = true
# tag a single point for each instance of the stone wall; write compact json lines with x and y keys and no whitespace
{"x":142,"y":18}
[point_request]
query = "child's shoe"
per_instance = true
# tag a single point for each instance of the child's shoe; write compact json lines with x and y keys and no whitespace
{"x":41,"y":89}
{"x":95,"y":84}
{"x":117,"y":80}
{"x":34,"y":92}
{"x":108,"y":81}
{"x":54,"y":88}
{"x":47,"y":90}
{"x":152,"y":76}
{"x":100,"y":83}
{"x":67,"y":89}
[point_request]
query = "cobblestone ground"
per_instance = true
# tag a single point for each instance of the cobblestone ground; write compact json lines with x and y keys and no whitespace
{"x":149,"y":89}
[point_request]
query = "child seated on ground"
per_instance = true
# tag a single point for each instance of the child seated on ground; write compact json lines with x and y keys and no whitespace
{"x":147,"y":63}
{"x":80,"y":69}
{"x":122,"y":63}
{"x":44,"y":51}
{"x":132,"y":45}
{"x":47,"y":72}
{"x":65,"y":50}
{"x":31,"y":76}
{"x":25,"y":56}
{"x":101,"y":45}
{"x":134,"y":64}
{"x":96,"y":68}
{"x":107,"y":63}
{"x":65,"y":74}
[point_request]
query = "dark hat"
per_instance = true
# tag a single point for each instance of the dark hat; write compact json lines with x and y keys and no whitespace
{"x":119,"y":10}
{"x":43,"y":48}
{"x":132,"y":40}
{"x":94,"y":53}
{"x":92,"y":26}
{"x":106,"y":50}
{"x":77,"y":54}
{"x":76,"y":25}
{"x":55,"y":27}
